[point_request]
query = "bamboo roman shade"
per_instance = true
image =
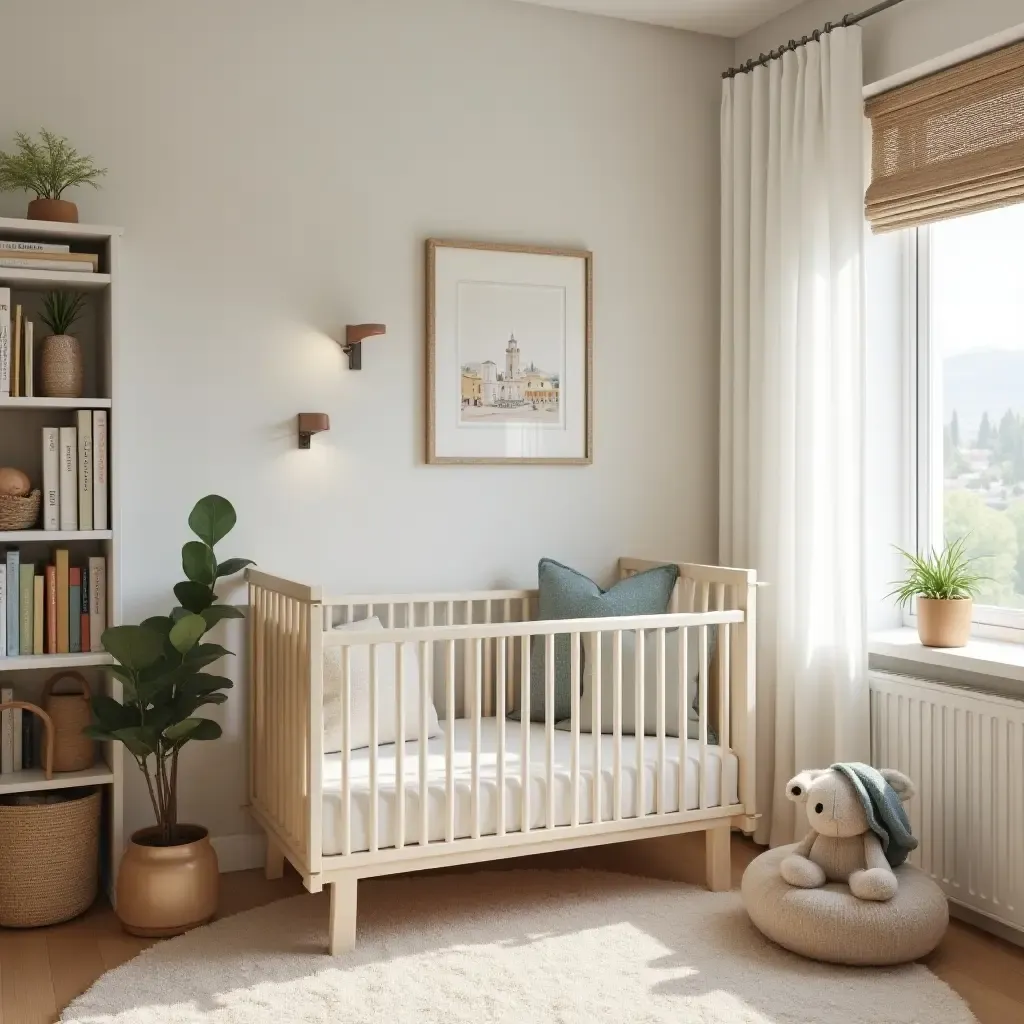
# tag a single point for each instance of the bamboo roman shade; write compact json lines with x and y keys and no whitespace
{"x":949,"y":144}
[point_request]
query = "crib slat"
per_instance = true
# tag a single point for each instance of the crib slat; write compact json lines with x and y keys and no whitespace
{"x":399,"y":747}
{"x":477,"y":699}
{"x":617,"y":724}
{"x":449,"y":754}
{"x":683,"y":684}
{"x":640,"y":730}
{"x":724,"y":688}
{"x":426,"y":672}
{"x":500,"y":694}
{"x":488,"y":684}
{"x":549,"y":727}
{"x":346,"y":748}
{"x":275,"y":723}
{"x":510,"y":652}
{"x":702,"y":677}
{"x":574,"y":676}
{"x":524,"y":732}
{"x":659,"y":797}
{"x":596,"y":640}
{"x":374,"y":752}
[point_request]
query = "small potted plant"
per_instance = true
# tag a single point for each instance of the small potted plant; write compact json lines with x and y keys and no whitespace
{"x":61,"y":353}
{"x":169,"y":878}
{"x":945,"y":586}
{"x":47,"y":168}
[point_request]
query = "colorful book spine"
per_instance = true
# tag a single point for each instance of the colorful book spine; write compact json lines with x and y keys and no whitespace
{"x":5,"y":342}
{"x":3,"y":609}
{"x":26,"y":587}
{"x":101,"y":470}
{"x":13,"y":617}
{"x":51,"y":609}
{"x":63,"y":630}
{"x":75,"y":610}
{"x":6,"y":732}
{"x":85,"y":470}
{"x":51,"y":478}
{"x":6,"y":246}
{"x":30,"y":359}
{"x":85,"y":626}
{"x":16,"y":722}
{"x":38,"y":614}
{"x":68,"y":484}
{"x":97,"y":602}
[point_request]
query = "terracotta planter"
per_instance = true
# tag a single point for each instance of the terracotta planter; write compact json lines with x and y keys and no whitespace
{"x":61,"y":367}
{"x":944,"y":623}
{"x":53,"y":209}
{"x":166,"y":890}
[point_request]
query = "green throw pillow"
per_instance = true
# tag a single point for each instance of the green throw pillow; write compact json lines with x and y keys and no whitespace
{"x":567,"y":594}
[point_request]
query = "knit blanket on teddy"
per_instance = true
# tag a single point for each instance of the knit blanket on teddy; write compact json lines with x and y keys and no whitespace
{"x":884,"y":810}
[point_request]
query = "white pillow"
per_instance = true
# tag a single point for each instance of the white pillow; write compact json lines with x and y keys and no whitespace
{"x":359,"y":690}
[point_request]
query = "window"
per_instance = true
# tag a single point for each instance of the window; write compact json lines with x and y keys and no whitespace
{"x":970,"y":352}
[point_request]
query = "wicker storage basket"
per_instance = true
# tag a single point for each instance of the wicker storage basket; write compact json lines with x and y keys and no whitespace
{"x":49,"y":851}
{"x":19,"y":513}
{"x":70,"y":713}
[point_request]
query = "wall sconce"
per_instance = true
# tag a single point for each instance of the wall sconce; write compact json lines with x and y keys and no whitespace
{"x":355,"y":334}
{"x":311,"y":423}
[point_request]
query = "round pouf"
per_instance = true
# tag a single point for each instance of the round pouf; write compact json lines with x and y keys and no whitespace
{"x":831,"y":924}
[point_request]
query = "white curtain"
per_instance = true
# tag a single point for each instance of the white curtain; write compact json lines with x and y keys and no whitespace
{"x":792,"y":409}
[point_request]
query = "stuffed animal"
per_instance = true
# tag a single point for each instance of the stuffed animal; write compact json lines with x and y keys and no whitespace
{"x":859,"y":830}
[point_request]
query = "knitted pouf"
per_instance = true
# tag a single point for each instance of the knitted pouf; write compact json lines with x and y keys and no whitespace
{"x":832,"y":924}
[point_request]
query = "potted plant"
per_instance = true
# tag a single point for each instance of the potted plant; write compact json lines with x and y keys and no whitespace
{"x":944,"y":585}
{"x":48,"y":168}
{"x":61,"y":353}
{"x":169,"y":879}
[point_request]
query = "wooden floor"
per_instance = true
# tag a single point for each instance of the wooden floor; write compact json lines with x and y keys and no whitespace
{"x":42,"y":970}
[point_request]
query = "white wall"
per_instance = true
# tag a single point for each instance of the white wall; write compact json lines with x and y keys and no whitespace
{"x":276,"y":166}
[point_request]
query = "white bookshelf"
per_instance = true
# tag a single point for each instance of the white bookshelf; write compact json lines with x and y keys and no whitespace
{"x":21,"y":422}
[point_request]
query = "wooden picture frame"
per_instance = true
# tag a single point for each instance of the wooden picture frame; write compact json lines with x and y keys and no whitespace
{"x":479,"y":415}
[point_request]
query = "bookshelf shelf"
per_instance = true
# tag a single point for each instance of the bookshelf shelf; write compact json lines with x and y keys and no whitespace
{"x":33,"y":780}
{"x":53,"y":536}
{"x":46,"y":279}
{"x":48,"y":662}
{"x":20,"y":404}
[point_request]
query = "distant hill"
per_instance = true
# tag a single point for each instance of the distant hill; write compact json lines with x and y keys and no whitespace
{"x":978,"y":382}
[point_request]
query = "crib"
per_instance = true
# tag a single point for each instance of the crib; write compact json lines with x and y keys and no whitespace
{"x":486,"y":786}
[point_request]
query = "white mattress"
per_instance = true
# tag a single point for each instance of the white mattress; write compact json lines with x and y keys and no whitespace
{"x":721,"y":777}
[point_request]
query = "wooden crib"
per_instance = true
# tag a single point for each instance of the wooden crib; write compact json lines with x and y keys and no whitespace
{"x":489,"y":787}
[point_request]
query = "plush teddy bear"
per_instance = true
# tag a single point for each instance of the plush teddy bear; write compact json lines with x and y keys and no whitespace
{"x":859,"y":830}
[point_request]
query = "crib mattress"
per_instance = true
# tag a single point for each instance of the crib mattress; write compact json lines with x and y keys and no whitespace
{"x":721,"y":778}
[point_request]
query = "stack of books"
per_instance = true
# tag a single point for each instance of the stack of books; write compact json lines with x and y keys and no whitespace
{"x":46,"y":256}
{"x":60,"y":610}
{"x":17,"y":350}
{"x":75,"y":474}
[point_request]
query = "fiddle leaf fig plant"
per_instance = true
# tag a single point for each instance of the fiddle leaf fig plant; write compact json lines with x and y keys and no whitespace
{"x":161,"y":664}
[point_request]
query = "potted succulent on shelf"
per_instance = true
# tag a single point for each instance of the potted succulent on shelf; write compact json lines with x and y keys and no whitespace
{"x":945,"y":586}
{"x":61,"y":353}
{"x":169,"y":879}
{"x":47,"y":168}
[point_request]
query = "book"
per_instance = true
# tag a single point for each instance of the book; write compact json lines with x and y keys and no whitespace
{"x":13,"y":582}
{"x":85,"y":470}
{"x":74,"y":610}
{"x":26,"y":597}
{"x":100,"y":470}
{"x":3,"y":609}
{"x":30,"y":359}
{"x":33,"y":246}
{"x":21,"y":262}
{"x":60,"y":557}
{"x":85,"y":627}
{"x":97,"y":602}
{"x":16,"y":354}
{"x":51,"y":478}
{"x":83,"y":260}
{"x":6,"y":732}
{"x":51,"y":609}
{"x":28,"y":753}
{"x":5,"y":342}
{"x":38,"y":614}
{"x":68,"y":484}
{"x":16,"y":741}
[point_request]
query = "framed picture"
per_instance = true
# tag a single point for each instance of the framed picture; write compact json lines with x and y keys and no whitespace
{"x":509,"y":360}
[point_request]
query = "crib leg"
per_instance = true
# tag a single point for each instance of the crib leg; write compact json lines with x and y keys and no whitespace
{"x":343,"y":915}
{"x":718,"y":858}
{"x":274,"y":865}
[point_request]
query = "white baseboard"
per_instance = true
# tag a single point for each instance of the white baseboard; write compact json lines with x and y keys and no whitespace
{"x":239,"y":852}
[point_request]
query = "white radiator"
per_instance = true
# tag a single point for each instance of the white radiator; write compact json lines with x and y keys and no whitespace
{"x":965,"y":751}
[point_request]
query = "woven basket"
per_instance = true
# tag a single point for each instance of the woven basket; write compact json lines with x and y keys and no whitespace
{"x":49,"y":851}
{"x":73,"y":751}
{"x":19,"y":513}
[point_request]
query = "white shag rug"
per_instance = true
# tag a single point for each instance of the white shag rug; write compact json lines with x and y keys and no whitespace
{"x":515,"y":947}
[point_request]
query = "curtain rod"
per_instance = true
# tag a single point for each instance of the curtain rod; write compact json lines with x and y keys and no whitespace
{"x":847,"y":21}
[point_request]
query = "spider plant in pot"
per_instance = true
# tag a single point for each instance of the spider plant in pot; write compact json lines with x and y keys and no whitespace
{"x":48,"y":168}
{"x":61,"y":362}
{"x":168,"y":881}
{"x":944,"y":584}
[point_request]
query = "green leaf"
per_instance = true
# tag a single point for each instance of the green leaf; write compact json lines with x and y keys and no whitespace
{"x":205,"y":654}
{"x":192,"y":729}
{"x":97,"y":732}
{"x":212,"y":519}
{"x":200,"y":683}
{"x":135,"y":647}
{"x":193,"y":596}
{"x":199,"y":563}
{"x":159,"y":624}
{"x":111,"y":715}
{"x":187,"y":632}
{"x":180,"y":613}
{"x":142,"y":741}
{"x":216,"y":612}
{"x":232,"y":565}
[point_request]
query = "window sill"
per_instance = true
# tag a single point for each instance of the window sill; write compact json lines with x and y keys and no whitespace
{"x":998,"y":658}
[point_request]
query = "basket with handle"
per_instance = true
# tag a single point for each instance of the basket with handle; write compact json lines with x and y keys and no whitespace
{"x":73,"y":751}
{"x":20,"y":513}
{"x":49,"y":847}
